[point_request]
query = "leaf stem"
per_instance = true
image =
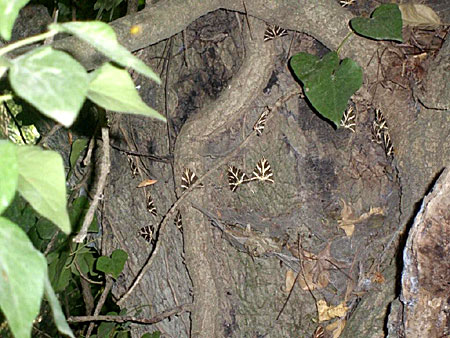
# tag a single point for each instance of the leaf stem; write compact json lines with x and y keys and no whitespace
{"x":27,"y":41}
{"x":343,"y":41}
{"x":5,"y":97}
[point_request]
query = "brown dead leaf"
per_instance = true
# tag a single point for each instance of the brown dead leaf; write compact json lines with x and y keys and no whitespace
{"x":315,"y":268}
{"x":419,"y":15}
{"x":329,"y":312}
{"x":349,"y":219}
{"x":146,"y":183}
{"x":290,"y":279}
{"x":313,"y":275}
{"x":337,"y":327}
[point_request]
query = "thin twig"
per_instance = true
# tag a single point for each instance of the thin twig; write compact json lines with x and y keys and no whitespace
{"x":101,"y":301}
{"x":295,"y":281}
{"x":87,"y":296}
{"x":246,"y":18}
{"x":104,"y":171}
{"x":122,"y":319}
{"x":185,"y":48}
{"x":171,"y":213}
{"x":87,"y":158}
{"x":51,"y":243}
{"x":52,"y":131}
{"x":164,"y":159}
{"x":50,"y":39}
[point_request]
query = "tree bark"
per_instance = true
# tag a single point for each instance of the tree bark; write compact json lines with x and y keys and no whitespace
{"x":234,"y":274}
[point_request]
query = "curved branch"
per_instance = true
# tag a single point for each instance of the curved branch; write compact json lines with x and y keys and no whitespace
{"x":209,"y":301}
{"x":309,"y":16}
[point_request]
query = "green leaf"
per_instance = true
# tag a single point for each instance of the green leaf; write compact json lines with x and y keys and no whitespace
{"x":42,"y":183}
{"x":77,"y":213}
{"x":77,"y":148}
{"x":45,"y":228}
{"x":105,"y":329}
{"x":52,"y":81}
{"x":119,"y":257}
{"x":23,"y":270}
{"x":123,"y":334}
{"x":4,"y":64}
{"x":113,"y":89}
{"x":155,"y":334}
{"x":64,"y":276}
{"x":58,"y":273}
{"x":114,"y":265}
{"x":21,"y":213}
{"x":9,"y":9}
{"x":385,"y":23}
{"x":102,"y":37}
{"x":328,"y":83}
{"x":86,"y":263}
{"x":58,"y":315}
{"x":8,"y":174}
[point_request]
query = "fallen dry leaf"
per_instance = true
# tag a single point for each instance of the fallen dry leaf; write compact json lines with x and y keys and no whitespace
{"x":337,"y":327}
{"x":146,"y":183}
{"x":329,"y":312}
{"x":349,"y":219}
{"x":290,"y":279}
{"x":419,"y":15}
{"x":313,"y":275}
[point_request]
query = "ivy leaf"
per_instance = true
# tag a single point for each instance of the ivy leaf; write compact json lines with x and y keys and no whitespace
{"x":52,"y":81}
{"x":8,"y":174}
{"x":385,"y":23}
{"x":114,"y":265}
{"x":77,"y":213}
{"x":328,"y":83}
{"x":103,"y":38}
{"x":113,"y":89}
{"x":9,"y":9}
{"x":23,"y":270}
{"x":77,"y":148}
{"x":155,"y":334}
{"x":42,"y":183}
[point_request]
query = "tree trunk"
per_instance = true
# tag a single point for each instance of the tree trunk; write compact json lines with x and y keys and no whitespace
{"x":238,"y":249}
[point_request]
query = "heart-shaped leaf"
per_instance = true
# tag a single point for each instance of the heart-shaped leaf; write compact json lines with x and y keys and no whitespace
{"x":328,"y":83}
{"x":385,"y":23}
{"x":52,"y":81}
{"x":114,"y":265}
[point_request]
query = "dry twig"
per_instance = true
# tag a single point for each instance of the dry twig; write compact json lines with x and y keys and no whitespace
{"x":98,"y":308}
{"x":122,"y":319}
{"x":104,"y":171}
